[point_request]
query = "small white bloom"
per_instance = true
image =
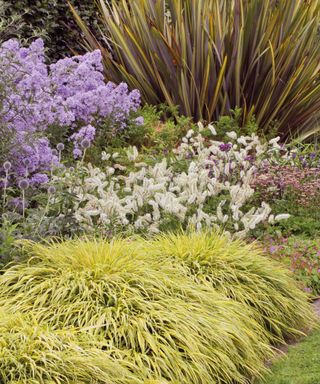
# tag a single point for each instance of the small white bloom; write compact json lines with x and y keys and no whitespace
{"x":120,"y":167}
{"x":232,"y":135}
{"x":110,"y":171}
{"x":141,"y":164}
{"x":200,"y":126}
{"x":132,"y":153}
{"x":105,"y":156}
{"x":190,"y":133}
{"x":212,"y":129}
{"x":282,"y":216}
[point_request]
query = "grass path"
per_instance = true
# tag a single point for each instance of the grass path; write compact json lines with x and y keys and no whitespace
{"x":301,"y":365}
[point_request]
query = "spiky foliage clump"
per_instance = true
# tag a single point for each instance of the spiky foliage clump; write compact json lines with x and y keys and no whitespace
{"x":32,"y":353}
{"x":243,"y":273}
{"x":158,"y":318}
{"x":210,"y":56}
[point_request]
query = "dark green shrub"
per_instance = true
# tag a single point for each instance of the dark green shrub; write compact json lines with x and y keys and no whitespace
{"x":51,"y":20}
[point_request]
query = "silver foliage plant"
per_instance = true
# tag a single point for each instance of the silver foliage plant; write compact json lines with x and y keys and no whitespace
{"x":213,"y":190}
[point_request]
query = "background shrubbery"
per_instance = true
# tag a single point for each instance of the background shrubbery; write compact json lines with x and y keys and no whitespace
{"x":50,"y":19}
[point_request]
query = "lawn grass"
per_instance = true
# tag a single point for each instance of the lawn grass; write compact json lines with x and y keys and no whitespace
{"x":300,"y":366}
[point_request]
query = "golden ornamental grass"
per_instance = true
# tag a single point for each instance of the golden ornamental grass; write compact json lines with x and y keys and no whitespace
{"x":243,"y":273}
{"x":32,"y":353}
{"x":191,"y":309}
{"x":161,"y":321}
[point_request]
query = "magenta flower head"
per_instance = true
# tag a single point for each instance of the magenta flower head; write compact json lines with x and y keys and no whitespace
{"x":23,"y":184}
{"x":60,"y":147}
{"x":7,"y":166}
{"x":225,"y":147}
{"x":85,"y":143}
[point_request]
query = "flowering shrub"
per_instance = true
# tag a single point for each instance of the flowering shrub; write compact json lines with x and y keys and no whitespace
{"x":302,"y":256}
{"x":70,"y":95}
{"x":206,"y":183}
{"x":275,"y":181}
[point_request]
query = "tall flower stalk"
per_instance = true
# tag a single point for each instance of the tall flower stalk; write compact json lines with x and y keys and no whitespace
{"x":6,"y":167}
{"x":23,"y":185}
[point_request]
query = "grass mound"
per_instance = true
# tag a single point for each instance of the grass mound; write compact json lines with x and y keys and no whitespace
{"x":243,"y":273}
{"x":32,"y":353}
{"x":156,"y":317}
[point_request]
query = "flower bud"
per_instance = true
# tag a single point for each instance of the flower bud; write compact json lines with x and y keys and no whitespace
{"x":7,"y":166}
{"x":60,"y":147}
{"x":23,"y":184}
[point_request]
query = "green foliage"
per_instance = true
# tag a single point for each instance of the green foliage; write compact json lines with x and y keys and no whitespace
{"x":51,"y":20}
{"x":242,"y":273}
{"x":7,"y":239}
{"x":162,"y":129}
{"x":9,"y":26}
{"x":304,"y":220}
{"x":300,"y":366}
{"x":212,"y":56}
{"x":234,"y":123}
{"x":163,"y":322}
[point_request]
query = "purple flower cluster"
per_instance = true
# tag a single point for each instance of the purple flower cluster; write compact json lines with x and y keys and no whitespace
{"x":225,"y":147}
{"x":85,"y":135}
{"x":70,"y":94}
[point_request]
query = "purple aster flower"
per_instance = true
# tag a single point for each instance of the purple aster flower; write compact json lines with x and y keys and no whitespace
{"x":67,"y":94}
{"x":77,"y":153}
{"x":139,"y":120}
{"x":39,"y":178}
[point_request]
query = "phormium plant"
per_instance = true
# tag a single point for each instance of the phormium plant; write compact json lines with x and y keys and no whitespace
{"x":211,"y":56}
